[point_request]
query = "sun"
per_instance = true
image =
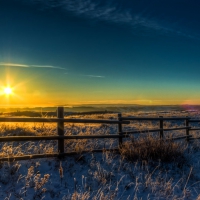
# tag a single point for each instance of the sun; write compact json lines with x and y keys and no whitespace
{"x":7,"y":90}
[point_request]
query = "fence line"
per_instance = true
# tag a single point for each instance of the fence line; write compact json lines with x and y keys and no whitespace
{"x":57,"y":120}
{"x":60,"y":120}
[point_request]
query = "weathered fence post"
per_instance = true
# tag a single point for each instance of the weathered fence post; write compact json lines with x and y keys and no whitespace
{"x":120,"y":129}
{"x":60,"y":129}
{"x":187,"y":129}
{"x":161,"y":127}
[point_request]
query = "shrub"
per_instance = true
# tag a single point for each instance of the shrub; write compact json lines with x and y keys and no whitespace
{"x":151,"y":148}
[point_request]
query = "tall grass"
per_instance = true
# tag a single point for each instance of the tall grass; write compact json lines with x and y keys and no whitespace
{"x":152,"y":148}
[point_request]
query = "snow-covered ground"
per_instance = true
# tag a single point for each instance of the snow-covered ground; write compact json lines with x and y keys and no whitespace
{"x":98,"y":176}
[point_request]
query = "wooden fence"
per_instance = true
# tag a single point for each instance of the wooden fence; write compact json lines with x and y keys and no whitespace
{"x":60,"y":120}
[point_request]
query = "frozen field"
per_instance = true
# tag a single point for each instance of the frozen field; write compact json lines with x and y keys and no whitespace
{"x":156,"y":173}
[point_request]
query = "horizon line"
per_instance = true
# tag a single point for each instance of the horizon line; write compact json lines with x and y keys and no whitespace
{"x":77,"y":105}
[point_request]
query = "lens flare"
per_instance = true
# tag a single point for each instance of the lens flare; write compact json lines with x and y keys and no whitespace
{"x":7,"y":90}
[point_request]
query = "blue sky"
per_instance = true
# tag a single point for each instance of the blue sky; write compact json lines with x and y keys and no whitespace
{"x":87,"y":52}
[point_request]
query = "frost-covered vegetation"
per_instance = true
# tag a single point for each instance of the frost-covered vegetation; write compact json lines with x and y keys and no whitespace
{"x":143,"y":168}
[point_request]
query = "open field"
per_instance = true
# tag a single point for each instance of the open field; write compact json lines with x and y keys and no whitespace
{"x":142,"y":169}
{"x":99,"y":100}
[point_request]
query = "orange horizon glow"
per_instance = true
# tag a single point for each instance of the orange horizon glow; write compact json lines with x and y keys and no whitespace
{"x":32,"y":104}
{"x":22,"y":97}
{"x":31,"y":93}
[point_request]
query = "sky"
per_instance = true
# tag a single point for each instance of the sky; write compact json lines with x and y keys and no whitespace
{"x":72,"y":52}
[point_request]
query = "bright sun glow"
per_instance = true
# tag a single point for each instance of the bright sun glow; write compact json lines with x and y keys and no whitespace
{"x":7,"y":90}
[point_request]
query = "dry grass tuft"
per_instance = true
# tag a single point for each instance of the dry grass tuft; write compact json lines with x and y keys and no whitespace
{"x":153,"y":149}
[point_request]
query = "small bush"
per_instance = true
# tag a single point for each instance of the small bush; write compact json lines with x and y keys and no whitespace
{"x":154,"y":149}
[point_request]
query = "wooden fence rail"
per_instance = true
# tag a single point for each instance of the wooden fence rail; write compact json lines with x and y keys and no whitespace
{"x":60,"y":120}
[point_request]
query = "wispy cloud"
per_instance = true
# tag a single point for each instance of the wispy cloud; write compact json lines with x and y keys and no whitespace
{"x":13,"y":65}
{"x":118,"y":12}
{"x":87,"y":75}
{"x":112,"y":11}
{"x":47,"y":66}
{"x":92,"y":76}
{"x":29,"y":66}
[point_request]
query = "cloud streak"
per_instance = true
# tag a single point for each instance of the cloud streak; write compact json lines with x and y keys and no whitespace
{"x":112,"y":11}
{"x":137,"y":16}
{"x":92,"y":76}
{"x":88,"y":75}
{"x":30,"y":66}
